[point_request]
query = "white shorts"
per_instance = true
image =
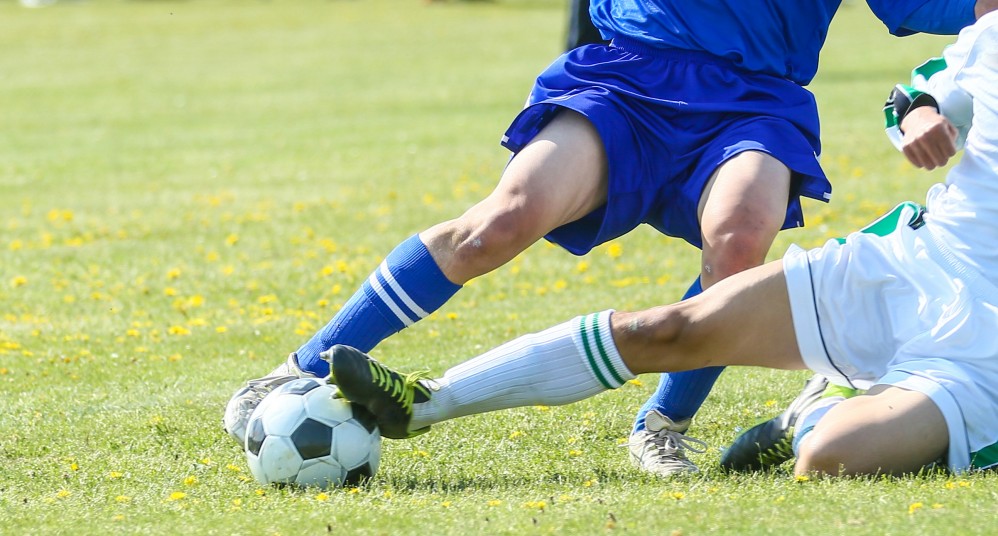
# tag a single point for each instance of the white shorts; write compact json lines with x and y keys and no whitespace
{"x":899,"y":310}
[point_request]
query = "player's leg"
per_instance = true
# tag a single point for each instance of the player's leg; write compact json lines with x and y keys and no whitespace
{"x":426,"y":270}
{"x":743,"y":320}
{"x":741,"y":210}
{"x":888,"y":430}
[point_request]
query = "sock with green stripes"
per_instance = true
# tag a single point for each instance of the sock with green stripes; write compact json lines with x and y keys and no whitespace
{"x":560,"y":365}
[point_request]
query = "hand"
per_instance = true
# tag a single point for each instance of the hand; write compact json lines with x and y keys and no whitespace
{"x":929,"y":138}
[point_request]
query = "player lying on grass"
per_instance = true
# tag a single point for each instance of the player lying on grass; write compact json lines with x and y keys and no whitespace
{"x":909,"y":316}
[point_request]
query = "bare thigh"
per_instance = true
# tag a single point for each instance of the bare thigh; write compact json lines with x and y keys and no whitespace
{"x":559,"y":177}
{"x":888,"y":430}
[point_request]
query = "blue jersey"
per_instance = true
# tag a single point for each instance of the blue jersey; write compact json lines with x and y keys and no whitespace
{"x":778,"y":37}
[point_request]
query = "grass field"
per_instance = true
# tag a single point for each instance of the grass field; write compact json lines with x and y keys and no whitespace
{"x":189,"y":189}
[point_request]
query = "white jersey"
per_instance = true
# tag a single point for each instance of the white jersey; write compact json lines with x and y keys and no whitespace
{"x":963,"y":212}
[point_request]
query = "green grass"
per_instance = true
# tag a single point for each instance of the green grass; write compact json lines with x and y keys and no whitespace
{"x":189,"y":189}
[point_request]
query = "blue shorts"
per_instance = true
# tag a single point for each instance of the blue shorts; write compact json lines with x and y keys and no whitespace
{"x":668,"y":119}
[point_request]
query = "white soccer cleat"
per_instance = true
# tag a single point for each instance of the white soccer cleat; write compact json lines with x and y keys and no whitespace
{"x":248,"y":397}
{"x":660,"y":448}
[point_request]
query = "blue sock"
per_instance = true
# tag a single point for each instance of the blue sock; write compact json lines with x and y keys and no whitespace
{"x":680,"y":394}
{"x":404,"y":289}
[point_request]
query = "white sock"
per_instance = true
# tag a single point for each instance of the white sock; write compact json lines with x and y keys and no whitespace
{"x":806,"y":421}
{"x":563,"y":364}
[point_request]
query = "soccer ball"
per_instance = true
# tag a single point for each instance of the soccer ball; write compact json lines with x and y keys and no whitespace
{"x":300,"y":434}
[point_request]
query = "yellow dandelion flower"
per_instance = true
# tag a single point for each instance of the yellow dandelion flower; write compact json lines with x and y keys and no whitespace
{"x":535,"y":505}
{"x":937,"y":506}
{"x":614,"y":250}
{"x":122,"y":499}
{"x":18,"y":281}
{"x":446,"y":504}
{"x":62,"y":494}
{"x":451,"y":316}
{"x":232,"y":239}
{"x":221,"y":329}
{"x":260,"y":492}
{"x":582,"y":267}
{"x":118,"y":517}
{"x":515,"y":434}
{"x":322,"y":497}
{"x":590,"y":483}
{"x":770,"y":403}
{"x":191,"y":480}
{"x":234,"y":468}
{"x":205,"y":461}
{"x":914,"y":507}
{"x":115,"y":474}
{"x":494,"y":502}
{"x":228,"y":270}
{"x":170,"y":291}
{"x":178,"y":330}
{"x":354,"y":491}
{"x":635,"y":381}
{"x":173,"y":273}
{"x":74,"y":467}
{"x":802,"y":478}
{"x":15,"y":245}
{"x":542,"y":408}
{"x":421,"y":453}
{"x":677,"y":495}
{"x":177,"y":496}
{"x":387,"y":494}
{"x":575,"y":452}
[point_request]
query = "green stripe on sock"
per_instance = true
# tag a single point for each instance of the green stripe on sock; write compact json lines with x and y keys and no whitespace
{"x":603,"y":354}
{"x":589,"y":354}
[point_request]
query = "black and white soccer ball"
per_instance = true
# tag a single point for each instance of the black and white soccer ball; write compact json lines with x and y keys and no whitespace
{"x":300,"y":434}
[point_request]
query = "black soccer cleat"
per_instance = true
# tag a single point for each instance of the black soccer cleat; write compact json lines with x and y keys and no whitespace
{"x":388,"y":394}
{"x":770,"y":443}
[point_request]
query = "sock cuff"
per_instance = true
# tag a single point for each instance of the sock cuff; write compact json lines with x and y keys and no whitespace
{"x":408,"y":285}
{"x":595,"y":342}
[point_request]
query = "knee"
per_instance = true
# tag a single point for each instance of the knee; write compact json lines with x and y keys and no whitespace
{"x":726,"y":254}
{"x":824,"y":454}
{"x":481,"y":240}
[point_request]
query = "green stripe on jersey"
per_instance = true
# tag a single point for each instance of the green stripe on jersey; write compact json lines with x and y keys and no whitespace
{"x":927,"y":69}
{"x":888,"y":223}
{"x":985,"y":458}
